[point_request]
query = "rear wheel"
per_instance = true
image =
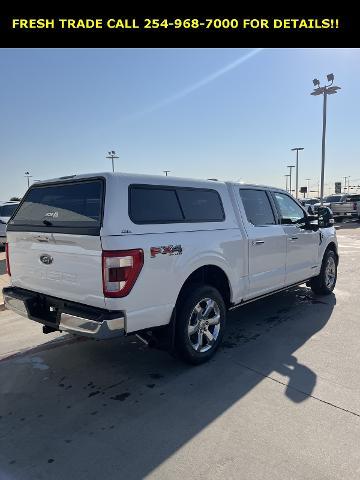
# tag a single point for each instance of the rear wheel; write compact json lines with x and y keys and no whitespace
{"x":200,"y":324}
{"x":338,"y":220}
{"x":325,"y":282}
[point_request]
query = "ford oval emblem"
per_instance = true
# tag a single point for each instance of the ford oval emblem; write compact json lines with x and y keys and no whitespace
{"x":46,"y":259}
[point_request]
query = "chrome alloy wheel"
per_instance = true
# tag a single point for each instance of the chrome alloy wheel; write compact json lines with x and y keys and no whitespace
{"x":330,"y":273}
{"x":204,"y":325}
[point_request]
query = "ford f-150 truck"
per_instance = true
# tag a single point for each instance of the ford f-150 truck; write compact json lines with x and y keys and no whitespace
{"x":111,"y":254}
{"x":342,"y":206}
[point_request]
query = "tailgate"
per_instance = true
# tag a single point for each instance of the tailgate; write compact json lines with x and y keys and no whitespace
{"x":343,"y":208}
{"x":62,"y":265}
{"x":54,"y":241}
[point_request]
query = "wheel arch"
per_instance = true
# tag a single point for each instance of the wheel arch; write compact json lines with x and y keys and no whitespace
{"x":332,"y":246}
{"x":208,"y":275}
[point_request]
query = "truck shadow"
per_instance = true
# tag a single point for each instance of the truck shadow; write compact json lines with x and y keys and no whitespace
{"x":348,"y":225}
{"x":126,"y":409}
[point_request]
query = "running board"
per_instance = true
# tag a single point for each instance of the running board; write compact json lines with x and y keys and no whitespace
{"x":245,"y":302}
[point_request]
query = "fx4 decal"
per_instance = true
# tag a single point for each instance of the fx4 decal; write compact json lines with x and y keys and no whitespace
{"x":166,"y":250}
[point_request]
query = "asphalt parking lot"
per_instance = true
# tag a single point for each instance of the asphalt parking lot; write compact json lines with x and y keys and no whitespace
{"x":280,"y":400}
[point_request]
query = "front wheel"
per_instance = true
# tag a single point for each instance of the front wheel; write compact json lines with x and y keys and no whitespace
{"x":325,"y":282}
{"x":200,"y":324}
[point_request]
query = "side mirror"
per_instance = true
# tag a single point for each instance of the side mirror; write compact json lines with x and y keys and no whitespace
{"x":326,"y":218}
{"x":307,"y":225}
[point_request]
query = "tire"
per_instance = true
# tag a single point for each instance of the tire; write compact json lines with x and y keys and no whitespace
{"x":325,"y":282}
{"x":200,"y":345}
{"x":338,"y":220}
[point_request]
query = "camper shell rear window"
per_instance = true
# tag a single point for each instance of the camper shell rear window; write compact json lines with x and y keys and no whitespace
{"x":69,"y":207}
{"x":157,"y":204}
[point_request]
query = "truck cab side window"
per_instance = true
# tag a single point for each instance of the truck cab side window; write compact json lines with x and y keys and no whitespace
{"x":290,"y":211}
{"x":257,"y":207}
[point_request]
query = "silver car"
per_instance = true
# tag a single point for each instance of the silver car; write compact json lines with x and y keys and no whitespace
{"x":6,"y":210}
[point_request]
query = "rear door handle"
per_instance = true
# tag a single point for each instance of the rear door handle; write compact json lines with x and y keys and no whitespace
{"x":258,"y":242}
{"x":293,"y":238}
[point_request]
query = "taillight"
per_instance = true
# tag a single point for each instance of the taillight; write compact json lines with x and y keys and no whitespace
{"x":120,"y":271}
{"x":7,"y":259}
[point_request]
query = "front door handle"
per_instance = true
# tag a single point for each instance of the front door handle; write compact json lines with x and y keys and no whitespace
{"x":258,"y":242}
{"x":293,"y":238}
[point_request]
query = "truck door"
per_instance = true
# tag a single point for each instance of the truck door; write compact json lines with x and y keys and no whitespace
{"x":266,"y":242}
{"x":302,"y":245}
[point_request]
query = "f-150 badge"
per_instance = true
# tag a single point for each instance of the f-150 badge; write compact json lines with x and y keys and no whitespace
{"x":166,"y":250}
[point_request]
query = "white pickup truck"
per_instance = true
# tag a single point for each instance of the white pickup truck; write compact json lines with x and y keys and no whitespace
{"x":341,"y":205}
{"x":103,"y":255}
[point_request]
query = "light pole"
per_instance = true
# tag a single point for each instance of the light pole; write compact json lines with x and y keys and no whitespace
{"x":111,"y":156}
{"x":308,"y":184}
{"x":166,"y":172}
{"x":286,"y":178}
{"x":344,"y":183}
{"x":291,"y":167}
{"x":297,"y":169}
{"x":325,"y":91}
{"x":28,"y":176}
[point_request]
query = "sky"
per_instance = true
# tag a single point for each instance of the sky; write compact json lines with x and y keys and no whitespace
{"x":231,"y":114}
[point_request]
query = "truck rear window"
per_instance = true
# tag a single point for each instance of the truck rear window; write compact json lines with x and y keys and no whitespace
{"x":62,"y":206}
{"x":8,"y":210}
{"x":333,"y":198}
{"x":353,"y":198}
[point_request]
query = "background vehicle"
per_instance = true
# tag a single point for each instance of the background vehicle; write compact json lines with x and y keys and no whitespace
{"x":342,"y":206}
{"x":308,"y":204}
{"x":6,"y":210}
{"x":107,"y":254}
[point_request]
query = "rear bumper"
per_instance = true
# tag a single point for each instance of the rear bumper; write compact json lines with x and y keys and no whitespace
{"x":65,"y":316}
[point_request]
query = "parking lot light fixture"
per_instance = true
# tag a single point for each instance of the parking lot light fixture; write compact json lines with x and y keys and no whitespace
{"x":329,"y":89}
{"x":112,"y":155}
{"x":28,"y":176}
{"x":297,"y":169}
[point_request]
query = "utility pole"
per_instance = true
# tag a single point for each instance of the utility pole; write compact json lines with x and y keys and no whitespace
{"x":297,"y":169}
{"x":112,"y":155}
{"x":308,"y":184}
{"x":325,"y":91}
{"x":166,"y":172}
{"x":290,"y":167}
